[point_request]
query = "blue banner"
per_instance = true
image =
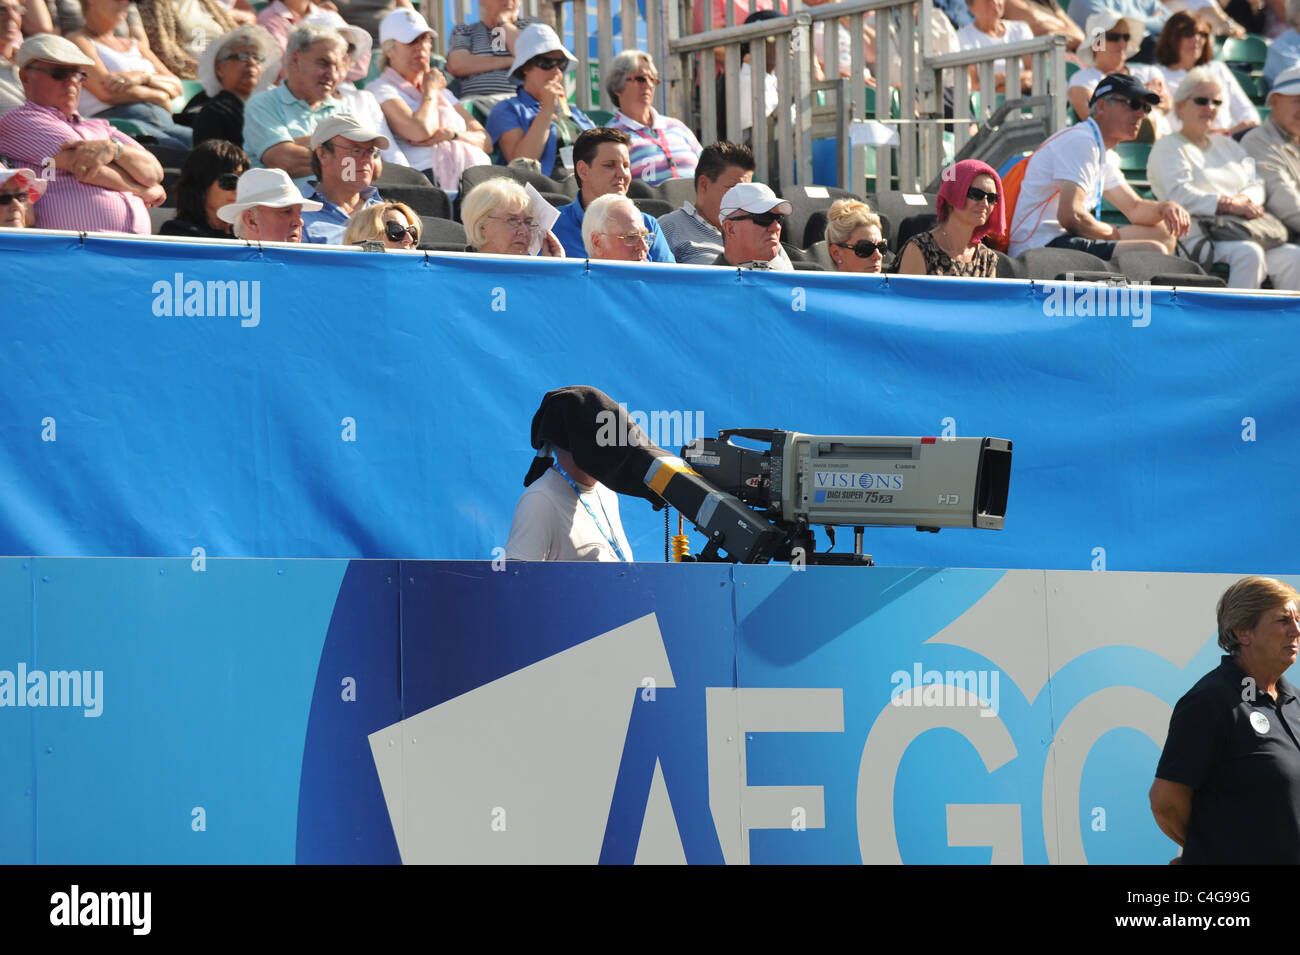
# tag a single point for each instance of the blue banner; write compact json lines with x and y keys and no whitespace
{"x":327,"y":403}
{"x":273,"y":711}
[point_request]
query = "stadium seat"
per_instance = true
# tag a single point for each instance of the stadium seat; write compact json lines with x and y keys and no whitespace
{"x":1133,"y":163}
{"x":1163,"y":270}
{"x":897,"y":206}
{"x":808,"y":266}
{"x":676,"y":191}
{"x":395,"y":174}
{"x":426,"y":200}
{"x":480,"y":107}
{"x":442,"y":232}
{"x":601,"y":117}
{"x":130,"y":127}
{"x":653,"y":207}
{"x":914,"y":225}
{"x":158,"y":215}
{"x":1008,"y":268}
{"x":1248,"y":52}
{"x":636,"y":189}
{"x":472,"y":176}
{"x":795,"y":253}
{"x":820,"y":253}
{"x":1253,"y":85}
{"x":1053,"y":265}
{"x":169,"y":180}
{"x":167,"y":157}
{"x":805,"y":201}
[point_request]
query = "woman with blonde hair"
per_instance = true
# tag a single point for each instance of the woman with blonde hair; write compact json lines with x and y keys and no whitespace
{"x":436,"y":133}
{"x":853,"y":238}
{"x":499,"y":220}
{"x":393,"y":223}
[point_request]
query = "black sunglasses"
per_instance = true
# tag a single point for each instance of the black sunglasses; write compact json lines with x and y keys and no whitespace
{"x":395,"y":231}
{"x":1133,"y":104}
{"x":764,"y":219}
{"x":551,"y":63}
{"x":228,"y":181}
{"x":978,"y":194}
{"x":865,"y":249}
{"x":61,"y":73}
{"x":1206,"y":101}
{"x":1118,"y":37}
{"x":9,"y":197}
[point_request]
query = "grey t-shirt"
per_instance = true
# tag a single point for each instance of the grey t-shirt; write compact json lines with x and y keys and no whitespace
{"x":479,"y":40}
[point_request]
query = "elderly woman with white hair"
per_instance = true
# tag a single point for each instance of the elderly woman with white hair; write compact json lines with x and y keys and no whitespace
{"x":1213,"y":177}
{"x":613,"y":229}
{"x":437,"y":135}
{"x":1111,"y":40}
{"x":499,"y":220}
{"x":662,"y":147}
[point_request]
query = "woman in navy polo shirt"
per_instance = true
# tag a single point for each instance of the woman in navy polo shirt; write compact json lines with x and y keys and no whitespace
{"x":1227,"y":788}
{"x":538,"y":121}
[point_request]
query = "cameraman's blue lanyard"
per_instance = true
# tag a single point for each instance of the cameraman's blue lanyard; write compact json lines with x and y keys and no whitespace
{"x":1101,"y":173}
{"x":574,"y":484}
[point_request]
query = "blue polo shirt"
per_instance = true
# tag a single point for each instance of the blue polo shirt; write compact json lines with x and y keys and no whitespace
{"x":568,"y":229}
{"x":327,"y":226}
{"x":519,"y":112}
{"x":1239,"y":751}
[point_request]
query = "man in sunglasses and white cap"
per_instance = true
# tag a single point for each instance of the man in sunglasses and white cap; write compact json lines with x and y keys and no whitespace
{"x":345,"y":162}
{"x":1275,"y":146}
{"x":102,"y":180}
{"x":267,"y":207}
{"x":1059,"y":205}
{"x":752,"y":216}
{"x":19,"y":190}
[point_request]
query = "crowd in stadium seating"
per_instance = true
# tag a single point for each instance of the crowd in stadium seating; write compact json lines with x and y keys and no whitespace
{"x":329,"y":124}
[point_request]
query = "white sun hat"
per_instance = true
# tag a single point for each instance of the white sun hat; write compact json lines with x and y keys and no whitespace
{"x":534,"y":41}
{"x":265,"y":187}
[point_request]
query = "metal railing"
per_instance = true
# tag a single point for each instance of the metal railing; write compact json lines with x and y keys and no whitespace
{"x":826,"y":109}
{"x":812,"y":109}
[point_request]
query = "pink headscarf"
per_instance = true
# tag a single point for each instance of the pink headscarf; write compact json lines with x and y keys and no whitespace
{"x":956,"y":180}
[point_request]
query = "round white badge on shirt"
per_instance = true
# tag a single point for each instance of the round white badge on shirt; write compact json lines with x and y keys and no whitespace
{"x":1260,"y":722}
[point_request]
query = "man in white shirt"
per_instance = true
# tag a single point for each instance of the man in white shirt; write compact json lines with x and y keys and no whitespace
{"x":1060,"y":198}
{"x":567,"y":514}
{"x":564,"y":512}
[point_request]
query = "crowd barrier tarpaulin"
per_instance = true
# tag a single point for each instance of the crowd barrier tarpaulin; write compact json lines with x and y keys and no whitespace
{"x":279,"y":711}
{"x":174,"y":399}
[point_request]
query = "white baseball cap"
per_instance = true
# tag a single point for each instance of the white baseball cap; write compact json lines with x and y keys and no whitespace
{"x":403,"y":25}
{"x":1287,"y":82}
{"x":537,"y":39}
{"x":349,"y":127}
{"x":265,"y":187}
{"x":754,"y":198}
{"x":51,"y":49}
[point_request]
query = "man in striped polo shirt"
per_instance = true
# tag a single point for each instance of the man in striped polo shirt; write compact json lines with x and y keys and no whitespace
{"x":481,"y":53}
{"x":101,"y":180}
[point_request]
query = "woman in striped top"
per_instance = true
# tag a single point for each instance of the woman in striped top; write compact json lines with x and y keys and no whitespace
{"x":662,"y":147}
